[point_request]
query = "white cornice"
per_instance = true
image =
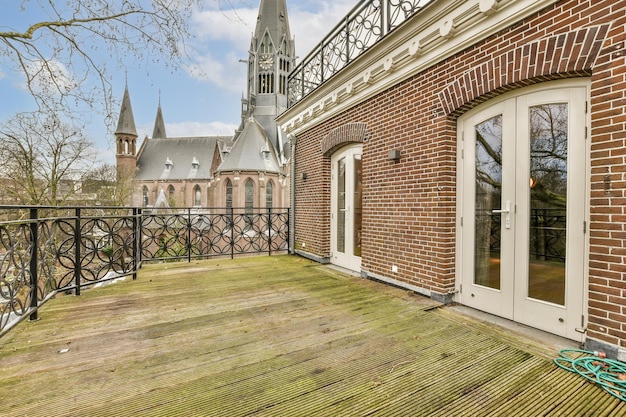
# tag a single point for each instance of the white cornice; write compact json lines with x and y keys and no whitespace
{"x":439,"y":31}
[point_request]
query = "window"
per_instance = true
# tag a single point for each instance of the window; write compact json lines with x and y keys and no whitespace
{"x":269,"y":195}
{"x":266,"y":83}
{"x":170,"y":193}
{"x":229,"y":194}
{"x":249,"y":203}
{"x":197,"y":196}
{"x":145,"y":196}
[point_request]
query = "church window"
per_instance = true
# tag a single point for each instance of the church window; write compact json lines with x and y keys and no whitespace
{"x":249,"y":203}
{"x":266,"y":83}
{"x":266,"y":45}
{"x":170,"y":193}
{"x":145,"y":196}
{"x":269,"y":195}
{"x":229,"y":194}
{"x":195,"y":163}
{"x":197,"y":199}
{"x":126,"y":147}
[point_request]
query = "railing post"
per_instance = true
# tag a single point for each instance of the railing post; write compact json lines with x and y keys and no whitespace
{"x":269,"y":230}
{"x":135,"y":243}
{"x":188,"y":235}
{"x":34,"y":279}
{"x":77,"y":254}
{"x":290,"y":247}
{"x":139,"y":232}
{"x":232,"y":234}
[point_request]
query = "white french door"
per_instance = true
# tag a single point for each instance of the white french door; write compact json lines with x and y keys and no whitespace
{"x":346,"y":208}
{"x":522,"y":172}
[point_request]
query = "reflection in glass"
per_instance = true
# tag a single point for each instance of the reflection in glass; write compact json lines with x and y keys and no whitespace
{"x":488,"y":198}
{"x":341,"y":205}
{"x":548,"y":202}
{"x":358,"y":205}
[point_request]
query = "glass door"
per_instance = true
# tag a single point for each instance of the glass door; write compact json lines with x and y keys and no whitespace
{"x":523,"y":178}
{"x":346,"y":208}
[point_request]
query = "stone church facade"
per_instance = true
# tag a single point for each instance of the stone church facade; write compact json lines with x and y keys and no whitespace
{"x":248,"y":170}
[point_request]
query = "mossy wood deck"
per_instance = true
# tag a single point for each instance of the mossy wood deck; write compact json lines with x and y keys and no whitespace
{"x":276,"y":336}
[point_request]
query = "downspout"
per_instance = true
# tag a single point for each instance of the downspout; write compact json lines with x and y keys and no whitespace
{"x":292,"y":197}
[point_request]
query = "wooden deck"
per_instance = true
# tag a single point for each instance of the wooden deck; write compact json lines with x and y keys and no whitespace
{"x":276,"y":336}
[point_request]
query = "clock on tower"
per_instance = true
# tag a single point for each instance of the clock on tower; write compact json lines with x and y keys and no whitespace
{"x":266,"y":62}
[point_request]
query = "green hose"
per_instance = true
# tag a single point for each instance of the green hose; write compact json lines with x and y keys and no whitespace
{"x":607,"y":373}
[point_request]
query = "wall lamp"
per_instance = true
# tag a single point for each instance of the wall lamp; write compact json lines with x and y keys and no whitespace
{"x":394,"y":155}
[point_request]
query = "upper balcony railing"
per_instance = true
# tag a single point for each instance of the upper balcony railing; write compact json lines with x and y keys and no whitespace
{"x":48,"y":251}
{"x":367,"y":23}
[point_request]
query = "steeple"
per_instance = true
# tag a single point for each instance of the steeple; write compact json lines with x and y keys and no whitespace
{"x":273,"y":20}
{"x":271,"y":58}
{"x":159,"y":125}
{"x":126,"y":121}
{"x":126,"y":140}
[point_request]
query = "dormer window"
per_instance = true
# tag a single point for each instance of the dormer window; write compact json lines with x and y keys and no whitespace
{"x":194,"y":163}
{"x":168,"y":164}
{"x":265,"y":151}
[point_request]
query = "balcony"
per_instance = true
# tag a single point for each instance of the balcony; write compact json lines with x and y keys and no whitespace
{"x":365,"y":25}
{"x":276,"y":335}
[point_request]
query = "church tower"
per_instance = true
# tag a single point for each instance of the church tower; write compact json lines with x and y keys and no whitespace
{"x":271,"y":58}
{"x":126,"y":140}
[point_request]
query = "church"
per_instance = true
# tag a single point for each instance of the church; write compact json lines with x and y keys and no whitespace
{"x":247,"y":170}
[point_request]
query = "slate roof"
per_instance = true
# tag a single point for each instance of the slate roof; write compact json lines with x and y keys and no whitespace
{"x":252,"y":151}
{"x":154,"y":153}
{"x":126,"y":121}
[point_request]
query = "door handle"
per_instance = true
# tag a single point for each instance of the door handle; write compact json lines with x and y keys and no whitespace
{"x":507,"y":211}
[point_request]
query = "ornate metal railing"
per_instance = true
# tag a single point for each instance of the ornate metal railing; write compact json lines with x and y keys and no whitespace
{"x":367,"y":23}
{"x":49,"y":251}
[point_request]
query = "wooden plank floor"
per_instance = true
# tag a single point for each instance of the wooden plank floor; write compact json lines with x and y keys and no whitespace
{"x":275,"y":336}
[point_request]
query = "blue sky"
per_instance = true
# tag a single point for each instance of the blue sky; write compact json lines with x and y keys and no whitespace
{"x":192,"y":104}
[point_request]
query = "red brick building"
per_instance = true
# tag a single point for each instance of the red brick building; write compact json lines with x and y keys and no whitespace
{"x":472,"y":151}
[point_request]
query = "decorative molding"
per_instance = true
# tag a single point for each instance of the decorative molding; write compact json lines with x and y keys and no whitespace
{"x":430,"y":37}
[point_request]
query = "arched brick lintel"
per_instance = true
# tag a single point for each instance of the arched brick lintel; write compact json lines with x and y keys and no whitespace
{"x":565,"y":55}
{"x":348,"y":133}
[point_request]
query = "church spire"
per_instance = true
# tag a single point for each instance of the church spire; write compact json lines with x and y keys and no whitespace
{"x":126,"y":121}
{"x":273,"y":19}
{"x":159,"y":125}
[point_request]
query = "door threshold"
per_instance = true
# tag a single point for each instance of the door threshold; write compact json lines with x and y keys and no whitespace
{"x":540,"y":337}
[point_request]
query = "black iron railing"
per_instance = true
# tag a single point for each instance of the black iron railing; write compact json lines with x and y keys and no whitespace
{"x":46,"y":251}
{"x":367,"y":23}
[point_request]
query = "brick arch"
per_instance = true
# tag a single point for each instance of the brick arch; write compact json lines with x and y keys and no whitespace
{"x":565,"y":55}
{"x":348,"y":133}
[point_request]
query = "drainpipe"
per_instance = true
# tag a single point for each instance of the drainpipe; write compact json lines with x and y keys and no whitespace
{"x":292,"y":197}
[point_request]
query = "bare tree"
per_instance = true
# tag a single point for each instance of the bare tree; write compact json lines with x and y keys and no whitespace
{"x":110,"y":188}
{"x":59,"y":57}
{"x":43,"y":159}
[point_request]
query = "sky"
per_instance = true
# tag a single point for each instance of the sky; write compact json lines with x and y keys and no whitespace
{"x":203,"y":97}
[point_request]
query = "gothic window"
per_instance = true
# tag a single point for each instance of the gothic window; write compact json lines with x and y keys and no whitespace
{"x":269,"y":195}
{"x":266,"y":45}
{"x":197,"y":196}
{"x":266,"y":83}
{"x":170,"y":193}
{"x":229,"y":194}
{"x":144,"y":192}
{"x":249,"y":203}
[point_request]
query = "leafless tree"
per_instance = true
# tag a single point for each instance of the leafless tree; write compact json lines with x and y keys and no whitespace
{"x":43,"y":160}
{"x":65,"y":56}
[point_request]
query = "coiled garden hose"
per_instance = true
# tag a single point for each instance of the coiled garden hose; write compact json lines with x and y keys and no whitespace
{"x":607,"y":373}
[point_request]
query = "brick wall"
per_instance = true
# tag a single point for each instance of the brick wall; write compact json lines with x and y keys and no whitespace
{"x":409,"y":206}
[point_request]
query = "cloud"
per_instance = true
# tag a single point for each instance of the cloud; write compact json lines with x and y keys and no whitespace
{"x":50,"y":77}
{"x":191,"y":129}
{"x":223,"y":36}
